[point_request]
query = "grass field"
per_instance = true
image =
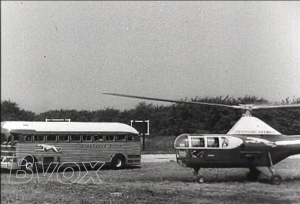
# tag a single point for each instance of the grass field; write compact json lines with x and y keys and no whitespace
{"x":161,"y":182}
{"x":159,"y":144}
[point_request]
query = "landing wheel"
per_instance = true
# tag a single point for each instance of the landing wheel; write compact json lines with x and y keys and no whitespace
{"x":200,"y":180}
{"x":276,"y":180}
{"x":118,"y":162}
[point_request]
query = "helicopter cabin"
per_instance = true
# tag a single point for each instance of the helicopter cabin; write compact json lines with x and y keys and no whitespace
{"x":189,"y":141}
{"x":195,"y":146}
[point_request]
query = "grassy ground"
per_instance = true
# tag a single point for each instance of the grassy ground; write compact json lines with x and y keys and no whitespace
{"x":158,"y":144}
{"x":156,"y":183}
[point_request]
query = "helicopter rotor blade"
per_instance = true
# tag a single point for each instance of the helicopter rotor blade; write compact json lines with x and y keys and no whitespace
{"x":174,"y":101}
{"x":276,"y":106}
{"x":240,"y":106}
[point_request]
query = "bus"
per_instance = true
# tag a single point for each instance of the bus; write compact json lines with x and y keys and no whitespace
{"x":26,"y":144}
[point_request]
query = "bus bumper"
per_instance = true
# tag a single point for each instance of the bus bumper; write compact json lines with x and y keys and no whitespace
{"x":9,"y":163}
{"x":133,"y":162}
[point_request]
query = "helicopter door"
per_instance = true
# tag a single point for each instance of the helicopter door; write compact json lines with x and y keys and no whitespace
{"x":213,"y":152}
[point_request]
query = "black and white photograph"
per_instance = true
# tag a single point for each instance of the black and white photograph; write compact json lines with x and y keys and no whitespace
{"x":114,"y":102}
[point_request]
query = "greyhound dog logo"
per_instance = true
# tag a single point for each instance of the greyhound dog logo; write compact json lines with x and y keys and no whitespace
{"x":46,"y":148}
{"x":258,"y":140}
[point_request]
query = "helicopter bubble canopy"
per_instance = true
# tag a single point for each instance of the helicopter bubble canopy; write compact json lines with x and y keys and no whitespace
{"x":182,"y":141}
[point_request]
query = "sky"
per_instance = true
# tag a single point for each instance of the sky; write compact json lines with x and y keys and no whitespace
{"x":64,"y":55}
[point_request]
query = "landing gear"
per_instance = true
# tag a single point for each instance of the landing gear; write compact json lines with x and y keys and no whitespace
{"x":269,"y":171}
{"x":275,"y":179}
{"x":199,"y":179}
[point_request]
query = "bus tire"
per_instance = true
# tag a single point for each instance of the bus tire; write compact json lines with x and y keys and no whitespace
{"x":118,"y":162}
{"x":29,"y":164}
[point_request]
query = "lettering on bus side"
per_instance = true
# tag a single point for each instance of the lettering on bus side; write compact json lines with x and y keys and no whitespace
{"x":100,"y":146}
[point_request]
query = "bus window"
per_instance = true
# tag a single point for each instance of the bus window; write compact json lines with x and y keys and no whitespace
{"x":38,"y":138}
{"x":51,"y":138}
{"x":75,"y":138}
{"x":120,"y":138}
{"x":27,"y":138}
{"x":86,"y":138}
{"x":16,"y":137}
{"x":98,"y":138}
{"x":133,"y":138}
{"x":63,"y":138}
{"x":110,"y":138}
{"x":212,"y":142}
{"x":129,"y":138}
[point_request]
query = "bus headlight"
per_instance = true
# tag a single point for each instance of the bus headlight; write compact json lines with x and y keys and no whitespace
{"x":13,"y":160}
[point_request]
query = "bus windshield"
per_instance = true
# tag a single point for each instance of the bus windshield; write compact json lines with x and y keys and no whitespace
{"x":3,"y":138}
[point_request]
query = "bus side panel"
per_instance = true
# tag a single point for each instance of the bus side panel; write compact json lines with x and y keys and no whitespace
{"x":68,"y":152}
{"x":103,"y":151}
{"x":74,"y":152}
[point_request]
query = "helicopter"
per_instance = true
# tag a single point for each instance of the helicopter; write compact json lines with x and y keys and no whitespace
{"x":250,"y":143}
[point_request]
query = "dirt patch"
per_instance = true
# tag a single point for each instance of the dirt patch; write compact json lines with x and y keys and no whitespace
{"x":160,"y":182}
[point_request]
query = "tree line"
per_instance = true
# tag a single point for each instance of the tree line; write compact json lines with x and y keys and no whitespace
{"x":173,"y":119}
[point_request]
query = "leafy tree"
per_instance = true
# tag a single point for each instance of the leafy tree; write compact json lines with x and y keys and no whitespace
{"x":11,"y":112}
{"x":174,"y":119}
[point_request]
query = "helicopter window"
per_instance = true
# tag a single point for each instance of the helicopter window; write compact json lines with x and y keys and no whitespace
{"x":182,"y":141}
{"x":225,"y":142}
{"x":198,"y":142}
{"x":212,"y":142}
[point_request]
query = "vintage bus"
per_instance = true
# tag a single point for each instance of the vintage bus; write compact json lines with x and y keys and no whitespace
{"x":23,"y":144}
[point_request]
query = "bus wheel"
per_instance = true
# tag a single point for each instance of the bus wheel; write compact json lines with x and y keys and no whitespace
{"x":118,"y":162}
{"x":28,"y":165}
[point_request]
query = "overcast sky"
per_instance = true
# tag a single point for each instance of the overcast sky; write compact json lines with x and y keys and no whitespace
{"x":65,"y":54}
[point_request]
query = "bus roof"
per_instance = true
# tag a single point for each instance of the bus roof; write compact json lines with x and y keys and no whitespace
{"x":53,"y":127}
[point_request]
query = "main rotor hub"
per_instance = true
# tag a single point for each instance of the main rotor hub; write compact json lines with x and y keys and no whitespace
{"x":247,"y":113}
